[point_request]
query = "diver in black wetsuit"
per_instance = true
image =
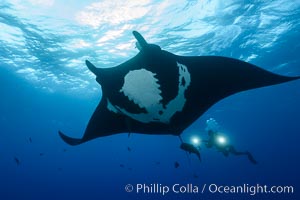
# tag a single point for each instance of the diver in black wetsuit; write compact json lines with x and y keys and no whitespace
{"x":189,"y":148}
{"x":216,"y":140}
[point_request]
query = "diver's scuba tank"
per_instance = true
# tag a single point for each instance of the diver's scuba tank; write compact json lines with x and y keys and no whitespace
{"x":212,"y":125}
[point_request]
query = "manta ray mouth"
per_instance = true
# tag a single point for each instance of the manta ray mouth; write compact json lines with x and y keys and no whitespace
{"x":143,"y":88}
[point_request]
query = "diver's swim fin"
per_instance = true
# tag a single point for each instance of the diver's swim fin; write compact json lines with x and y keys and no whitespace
{"x":251,"y":158}
{"x":199,"y":156}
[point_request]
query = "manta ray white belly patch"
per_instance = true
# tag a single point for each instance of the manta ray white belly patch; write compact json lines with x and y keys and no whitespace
{"x":142,"y":87}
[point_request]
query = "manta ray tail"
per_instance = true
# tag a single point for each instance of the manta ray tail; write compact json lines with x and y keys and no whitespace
{"x":69,"y":140}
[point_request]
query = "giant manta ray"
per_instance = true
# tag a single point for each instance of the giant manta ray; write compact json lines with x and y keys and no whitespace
{"x":157,"y":92}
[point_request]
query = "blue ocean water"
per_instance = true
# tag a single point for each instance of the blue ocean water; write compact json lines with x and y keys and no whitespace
{"x":46,"y":87}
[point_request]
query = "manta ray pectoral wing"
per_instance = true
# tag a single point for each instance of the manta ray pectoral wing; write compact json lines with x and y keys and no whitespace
{"x":103,"y":122}
{"x":69,"y":140}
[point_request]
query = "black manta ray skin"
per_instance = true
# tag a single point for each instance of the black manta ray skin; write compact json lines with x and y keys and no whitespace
{"x":157,"y":92}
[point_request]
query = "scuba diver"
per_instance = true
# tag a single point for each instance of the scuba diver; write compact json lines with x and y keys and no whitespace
{"x":189,"y":148}
{"x":219,"y":142}
{"x":215,"y":139}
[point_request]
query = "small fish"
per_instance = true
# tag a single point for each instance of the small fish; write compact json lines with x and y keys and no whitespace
{"x":41,"y":154}
{"x":121,"y":165}
{"x":176,"y":164}
{"x":17,"y":160}
{"x":128,"y":148}
{"x":30,"y":140}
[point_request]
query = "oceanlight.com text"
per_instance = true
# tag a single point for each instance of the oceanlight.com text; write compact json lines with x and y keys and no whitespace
{"x":250,"y":189}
